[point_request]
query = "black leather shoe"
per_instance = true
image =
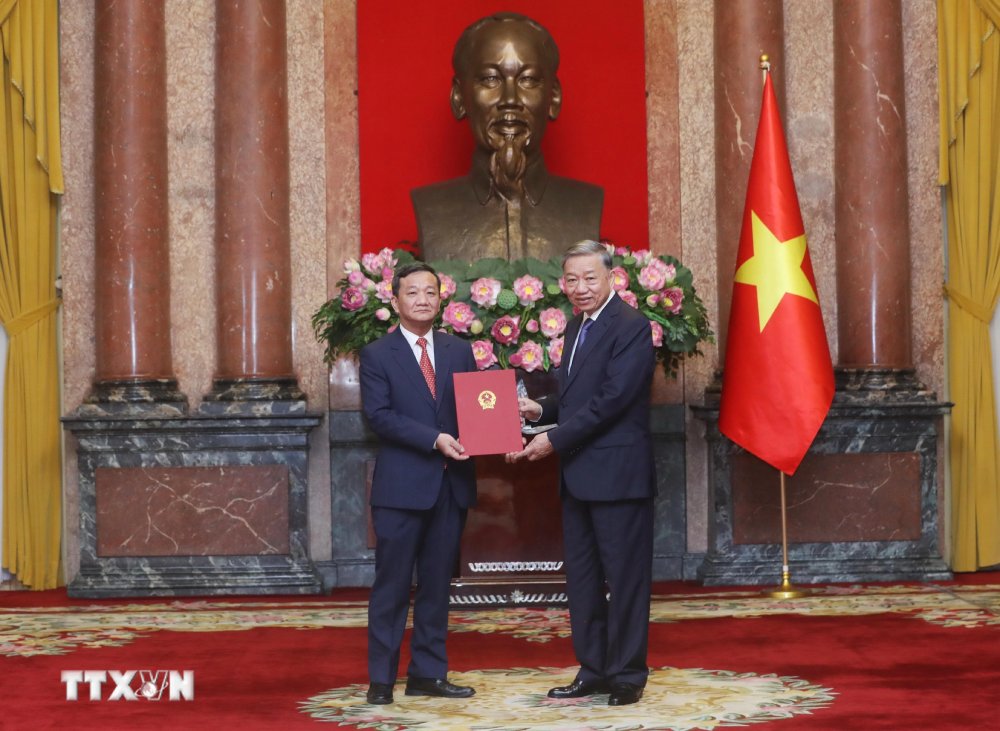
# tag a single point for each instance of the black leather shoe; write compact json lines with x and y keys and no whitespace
{"x":579,"y":688}
{"x":437,"y":687}
{"x":379,"y":694}
{"x":622,"y":694}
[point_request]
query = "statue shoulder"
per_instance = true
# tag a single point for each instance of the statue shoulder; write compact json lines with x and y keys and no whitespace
{"x":445,"y":190}
{"x":577,"y":189}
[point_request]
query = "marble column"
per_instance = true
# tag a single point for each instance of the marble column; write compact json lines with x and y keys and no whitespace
{"x":744,"y":29}
{"x":872,"y":208}
{"x":863,"y":506}
{"x":134,"y":371}
{"x":221,"y":495}
{"x":253,"y":269}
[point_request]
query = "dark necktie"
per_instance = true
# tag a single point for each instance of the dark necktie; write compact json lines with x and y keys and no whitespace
{"x":580,"y":338}
{"x":425,"y":366}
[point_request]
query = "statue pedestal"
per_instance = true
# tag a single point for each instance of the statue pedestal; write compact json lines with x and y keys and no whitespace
{"x":511,"y":552}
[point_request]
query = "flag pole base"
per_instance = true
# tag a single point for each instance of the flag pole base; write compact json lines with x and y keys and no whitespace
{"x":787,"y":590}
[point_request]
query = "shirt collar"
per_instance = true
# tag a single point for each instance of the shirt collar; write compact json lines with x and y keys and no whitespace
{"x":411,"y":338}
{"x":599,"y":309}
{"x":536,"y":178}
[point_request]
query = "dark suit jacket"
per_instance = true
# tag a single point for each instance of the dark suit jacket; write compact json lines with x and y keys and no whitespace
{"x":409,"y":472}
{"x":602,"y":408}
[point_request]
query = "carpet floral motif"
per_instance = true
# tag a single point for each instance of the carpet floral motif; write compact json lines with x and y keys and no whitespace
{"x":515,"y":700}
{"x":60,"y":630}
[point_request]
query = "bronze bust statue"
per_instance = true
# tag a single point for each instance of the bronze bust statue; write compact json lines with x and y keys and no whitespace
{"x":509,"y":205}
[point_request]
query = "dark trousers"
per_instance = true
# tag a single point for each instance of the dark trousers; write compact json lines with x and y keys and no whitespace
{"x":609,"y":567}
{"x":406,"y":539}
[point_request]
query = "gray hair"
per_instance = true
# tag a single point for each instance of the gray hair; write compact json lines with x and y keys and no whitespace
{"x":587,"y":247}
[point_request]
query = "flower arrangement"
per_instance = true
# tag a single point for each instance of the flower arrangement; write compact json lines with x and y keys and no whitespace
{"x":515,"y":313}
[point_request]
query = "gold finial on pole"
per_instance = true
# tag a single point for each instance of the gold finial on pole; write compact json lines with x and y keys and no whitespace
{"x":765,"y":66}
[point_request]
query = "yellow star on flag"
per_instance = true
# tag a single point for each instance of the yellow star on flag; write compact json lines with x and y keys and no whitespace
{"x":775,"y":269}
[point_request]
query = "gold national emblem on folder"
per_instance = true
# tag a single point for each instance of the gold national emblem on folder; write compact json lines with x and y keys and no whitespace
{"x":487,"y":400}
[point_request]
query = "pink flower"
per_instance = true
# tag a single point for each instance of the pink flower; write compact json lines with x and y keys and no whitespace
{"x":642,"y":256}
{"x":383,"y":314}
{"x":358,"y":279}
{"x":528,"y":357}
{"x":387,"y":273}
{"x":669,"y":271}
{"x":485,"y":291}
{"x":531,"y":326}
{"x":448,"y":286}
{"x":652,"y":277}
{"x":619,"y":279}
{"x":657,"y":330}
{"x":383,"y":290}
{"x":505,"y":330}
{"x":528,"y":289}
{"x":673,"y":297}
{"x":482,"y":351}
{"x":552,"y":322}
{"x":653,"y":300}
{"x":562,"y":284}
{"x":353,"y":298}
{"x":555,"y":348}
{"x":351,"y":265}
{"x":371,"y":263}
{"x":621,"y":251}
{"x":459,"y":315}
{"x":376,"y":263}
{"x":629,"y":297}
{"x":610,"y":247}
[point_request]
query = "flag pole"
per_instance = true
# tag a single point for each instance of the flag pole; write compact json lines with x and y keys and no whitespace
{"x":787,"y":590}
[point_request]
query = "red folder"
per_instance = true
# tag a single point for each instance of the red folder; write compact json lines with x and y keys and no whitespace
{"x":488,"y":420}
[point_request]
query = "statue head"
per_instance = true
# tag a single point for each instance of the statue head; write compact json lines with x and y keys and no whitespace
{"x":505,"y":83}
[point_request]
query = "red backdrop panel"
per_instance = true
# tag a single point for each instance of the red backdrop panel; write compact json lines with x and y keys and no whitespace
{"x":408,"y":136}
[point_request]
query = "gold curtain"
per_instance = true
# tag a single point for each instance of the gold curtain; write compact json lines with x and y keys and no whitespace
{"x":30,"y":179}
{"x":969,"y":69}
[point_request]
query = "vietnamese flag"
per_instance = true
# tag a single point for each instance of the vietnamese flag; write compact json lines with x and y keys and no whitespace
{"x":777,"y":383}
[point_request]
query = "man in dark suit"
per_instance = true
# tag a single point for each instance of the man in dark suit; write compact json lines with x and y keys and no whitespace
{"x":422,"y":487}
{"x":607,"y":478}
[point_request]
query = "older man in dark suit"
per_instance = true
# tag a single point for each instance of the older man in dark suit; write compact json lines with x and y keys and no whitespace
{"x":422,"y":487}
{"x":607,"y":478}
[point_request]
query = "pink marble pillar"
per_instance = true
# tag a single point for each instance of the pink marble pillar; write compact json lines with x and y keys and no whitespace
{"x":253,"y":271}
{"x":744,"y":30}
{"x":132,"y":283}
{"x":872,"y":210}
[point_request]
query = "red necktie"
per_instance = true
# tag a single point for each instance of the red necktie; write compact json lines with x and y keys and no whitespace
{"x":425,"y":366}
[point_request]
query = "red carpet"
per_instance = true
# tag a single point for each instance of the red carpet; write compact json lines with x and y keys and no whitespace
{"x":875,"y":657}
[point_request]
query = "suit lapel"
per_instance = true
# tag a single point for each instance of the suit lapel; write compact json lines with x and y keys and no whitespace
{"x":408,"y":364}
{"x":571,"y":330}
{"x":601,"y":325}
{"x":442,"y":366}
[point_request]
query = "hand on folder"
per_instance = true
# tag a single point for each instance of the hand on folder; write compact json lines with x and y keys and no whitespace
{"x":539,"y":447}
{"x":450,"y":447}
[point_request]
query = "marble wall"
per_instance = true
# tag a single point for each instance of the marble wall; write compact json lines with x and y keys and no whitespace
{"x":325,"y":207}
